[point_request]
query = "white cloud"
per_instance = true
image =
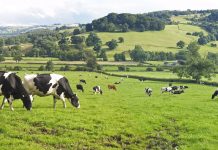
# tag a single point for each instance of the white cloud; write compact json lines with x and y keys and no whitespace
{"x":71,"y":11}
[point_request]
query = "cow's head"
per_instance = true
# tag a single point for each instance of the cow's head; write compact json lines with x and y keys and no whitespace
{"x":75,"y":101}
{"x":27,"y":102}
{"x":101,"y":92}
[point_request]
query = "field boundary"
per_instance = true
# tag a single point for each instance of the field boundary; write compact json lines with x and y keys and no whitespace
{"x":160,"y":79}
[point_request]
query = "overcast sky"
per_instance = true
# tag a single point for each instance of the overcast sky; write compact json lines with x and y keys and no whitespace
{"x":29,"y":12}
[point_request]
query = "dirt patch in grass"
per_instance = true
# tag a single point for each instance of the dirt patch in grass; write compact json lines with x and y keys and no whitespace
{"x":165,"y":137}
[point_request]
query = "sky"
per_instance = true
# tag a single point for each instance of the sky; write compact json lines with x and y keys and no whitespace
{"x":44,"y":12}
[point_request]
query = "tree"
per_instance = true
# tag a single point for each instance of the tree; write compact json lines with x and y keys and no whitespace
{"x":112,"y":44}
{"x":2,"y":42}
{"x":89,"y":27}
{"x":103,"y":55}
{"x":180,"y":44}
{"x":125,"y":28}
{"x":97,"y":47}
{"x":193,"y":48}
{"x":17,"y":58}
{"x":200,"y":68}
{"x":138,"y":54}
{"x":121,"y":39}
{"x":76,"y":31}
{"x":203,"y":40}
{"x":92,"y":39}
{"x":77,"y":39}
{"x":49,"y":66}
{"x":2,"y":58}
{"x":90,"y":59}
{"x":119,"y":57}
{"x":141,"y":28}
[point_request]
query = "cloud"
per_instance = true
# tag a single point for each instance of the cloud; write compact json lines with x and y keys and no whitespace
{"x":83,"y":11}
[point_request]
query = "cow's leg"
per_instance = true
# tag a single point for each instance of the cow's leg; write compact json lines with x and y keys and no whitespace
{"x":63,"y":100}
{"x":10,"y":99}
{"x":55,"y":100}
{"x":3,"y":103}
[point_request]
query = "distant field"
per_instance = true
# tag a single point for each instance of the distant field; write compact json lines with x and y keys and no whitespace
{"x":126,"y":119}
{"x":152,"y":40}
{"x":162,"y":74}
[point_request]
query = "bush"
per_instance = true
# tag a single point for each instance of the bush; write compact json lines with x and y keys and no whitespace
{"x":81,"y":68}
{"x":65,"y":68}
{"x":123,"y":68}
{"x":42,"y":68}
{"x":17,"y":68}
{"x":188,"y":33}
{"x":149,"y":69}
{"x":213,"y":45}
{"x":99,"y":67}
{"x":159,"y":68}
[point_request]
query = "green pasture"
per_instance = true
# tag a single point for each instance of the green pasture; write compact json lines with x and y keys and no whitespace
{"x":157,"y":74}
{"x":152,"y":40}
{"x":122,"y":119}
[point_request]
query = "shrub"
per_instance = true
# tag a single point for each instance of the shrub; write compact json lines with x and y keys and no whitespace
{"x":159,"y":68}
{"x":42,"y":68}
{"x":81,"y":68}
{"x":149,"y":69}
{"x":65,"y":68}
{"x":17,"y":68}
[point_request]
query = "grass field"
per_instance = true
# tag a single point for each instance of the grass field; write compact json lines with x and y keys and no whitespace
{"x":126,"y":119}
{"x":162,"y":74}
{"x":152,"y":40}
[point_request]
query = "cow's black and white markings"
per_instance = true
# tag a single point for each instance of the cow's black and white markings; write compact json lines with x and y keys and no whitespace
{"x":80,"y":87}
{"x":166,"y":89}
{"x":215,"y":94}
{"x":82,"y":81}
{"x":178,"y":92}
{"x":97,"y":89}
{"x":148,"y":91}
{"x":11,"y":88}
{"x":51,"y":84}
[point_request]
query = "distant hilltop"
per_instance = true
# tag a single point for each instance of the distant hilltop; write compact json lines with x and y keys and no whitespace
{"x":13,"y":30}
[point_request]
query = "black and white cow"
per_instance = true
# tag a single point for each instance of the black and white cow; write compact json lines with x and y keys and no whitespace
{"x":97,"y":89}
{"x":166,"y":89}
{"x":215,"y":94}
{"x":79,"y":87}
{"x":178,"y":92}
{"x":11,"y":88}
{"x":51,"y":84}
{"x":82,"y":81}
{"x":148,"y":91}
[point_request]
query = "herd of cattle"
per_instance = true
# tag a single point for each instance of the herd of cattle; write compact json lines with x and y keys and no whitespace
{"x":12,"y":87}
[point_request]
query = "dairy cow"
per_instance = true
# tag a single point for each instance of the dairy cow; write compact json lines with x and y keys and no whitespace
{"x":51,"y":84}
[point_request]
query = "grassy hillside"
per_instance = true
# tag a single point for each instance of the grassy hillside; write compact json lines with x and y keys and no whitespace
{"x":126,"y":119}
{"x":152,"y":40}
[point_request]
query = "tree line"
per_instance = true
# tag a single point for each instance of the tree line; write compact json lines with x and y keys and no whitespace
{"x":125,"y":22}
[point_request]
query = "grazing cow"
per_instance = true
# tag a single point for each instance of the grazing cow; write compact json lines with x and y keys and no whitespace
{"x":215,"y":94}
{"x":117,"y":82}
{"x":174,"y":88}
{"x":112,"y":87}
{"x":11,"y":88}
{"x":178,"y":92}
{"x":82,"y":81}
{"x":79,"y":87}
{"x":148,"y":91}
{"x":166,"y":89}
{"x":183,"y":87}
{"x":51,"y":84}
{"x":97,"y":89}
